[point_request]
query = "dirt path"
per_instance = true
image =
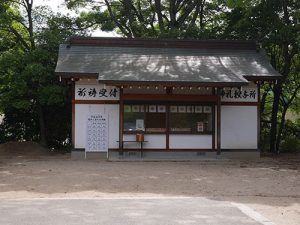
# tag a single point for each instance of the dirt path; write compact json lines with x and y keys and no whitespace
{"x":270,"y":186}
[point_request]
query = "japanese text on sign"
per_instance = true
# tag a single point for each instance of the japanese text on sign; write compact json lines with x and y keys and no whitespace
{"x":97,"y":133}
{"x":96,"y":92}
{"x":245,"y":94}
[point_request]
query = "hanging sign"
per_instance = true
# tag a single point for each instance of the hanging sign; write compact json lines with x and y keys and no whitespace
{"x":245,"y":94}
{"x":97,"y":133}
{"x":96,"y":92}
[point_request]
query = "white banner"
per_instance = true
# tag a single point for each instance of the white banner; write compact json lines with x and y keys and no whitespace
{"x":245,"y":94}
{"x":97,"y":133}
{"x":96,"y":92}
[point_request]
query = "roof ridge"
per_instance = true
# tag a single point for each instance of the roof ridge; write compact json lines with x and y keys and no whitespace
{"x":162,"y":43}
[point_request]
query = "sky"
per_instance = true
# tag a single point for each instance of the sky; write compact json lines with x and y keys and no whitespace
{"x":58,"y":6}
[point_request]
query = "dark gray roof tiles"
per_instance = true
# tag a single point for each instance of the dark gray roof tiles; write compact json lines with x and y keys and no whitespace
{"x":164,"y":64}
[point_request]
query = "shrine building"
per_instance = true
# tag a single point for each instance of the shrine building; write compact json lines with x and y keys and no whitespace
{"x":157,"y":99}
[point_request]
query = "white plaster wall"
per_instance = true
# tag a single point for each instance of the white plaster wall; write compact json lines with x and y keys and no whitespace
{"x":81,"y":113}
{"x":192,"y":141}
{"x":239,"y":127}
{"x":157,"y":141}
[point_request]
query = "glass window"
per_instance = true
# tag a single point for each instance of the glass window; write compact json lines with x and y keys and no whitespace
{"x":155,"y":122}
{"x":190,"y":119}
{"x":195,"y":119}
{"x":134,"y":117}
{"x":150,"y":118}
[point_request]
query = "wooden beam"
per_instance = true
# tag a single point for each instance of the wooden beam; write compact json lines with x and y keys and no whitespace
{"x":219,"y":122}
{"x":167,"y":127}
{"x":73,"y":114}
{"x":96,"y":101}
{"x":258,"y":119}
{"x":121,"y":122}
{"x":162,"y":43}
{"x":175,"y":98}
{"x":241,"y":103}
{"x":214,"y":123}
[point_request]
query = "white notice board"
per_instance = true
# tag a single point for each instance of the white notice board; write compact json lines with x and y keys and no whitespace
{"x":97,"y":133}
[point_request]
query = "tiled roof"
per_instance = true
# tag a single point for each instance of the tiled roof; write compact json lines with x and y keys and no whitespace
{"x":159,"y":64}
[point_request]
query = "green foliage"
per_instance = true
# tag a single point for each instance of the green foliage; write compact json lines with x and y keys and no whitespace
{"x":291,"y":137}
{"x":31,"y":96}
{"x":143,"y":18}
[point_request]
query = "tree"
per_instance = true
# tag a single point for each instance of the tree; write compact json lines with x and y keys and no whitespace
{"x":274,"y":25}
{"x":32,"y":99}
{"x":152,"y":18}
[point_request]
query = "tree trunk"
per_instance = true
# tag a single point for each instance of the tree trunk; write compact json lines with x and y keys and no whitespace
{"x":202,"y":15}
{"x":273,"y":133}
{"x":159,"y":15}
{"x":43,"y":138}
{"x":281,"y":126}
{"x":263,"y":102}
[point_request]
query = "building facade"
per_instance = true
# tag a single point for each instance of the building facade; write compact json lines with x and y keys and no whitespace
{"x":164,"y":99}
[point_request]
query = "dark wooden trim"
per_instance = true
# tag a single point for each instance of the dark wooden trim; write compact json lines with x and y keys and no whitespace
{"x":214,"y":121}
{"x":184,"y":150}
{"x":175,"y":98}
{"x":69,"y":75}
{"x":258,"y":119}
{"x":163,"y":150}
{"x":162,"y":43}
{"x":241,"y":103}
{"x":96,"y":101}
{"x":239,"y":150}
{"x":78,"y":150}
{"x":219,"y":123}
{"x":214,"y":128}
{"x":171,"y":83}
{"x":121,"y":119}
{"x":73,"y":115}
{"x":263,"y":78}
{"x":145,"y":132}
{"x":167,"y":127}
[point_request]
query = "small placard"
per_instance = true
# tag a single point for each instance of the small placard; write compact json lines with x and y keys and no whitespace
{"x":140,"y":125}
{"x":161,"y":108}
{"x":173,"y":108}
{"x":198,"y":109}
{"x":152,"y":108}
{"x":127,"y":108}
{"x":182,"y":108}
{"x":142,"y":108}
{"x":190,"y":109}
{"x":207,"y":109}
{"x":135,"y":108}
{"x":200,"y":126}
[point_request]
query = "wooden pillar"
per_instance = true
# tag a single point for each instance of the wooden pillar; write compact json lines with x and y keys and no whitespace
{"x":258,"y":118}
{"x":121,"y":123}
{"x":169,"y":91}
{"x":73,"y":114}
{"x":213,"y":123}
{"x":167,"y":127}
{"x":219,"y":122}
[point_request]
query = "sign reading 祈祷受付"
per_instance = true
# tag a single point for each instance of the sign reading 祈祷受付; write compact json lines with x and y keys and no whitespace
{"x":97,"y":133}
{"x":96,"y":92}
{"x":245,"y":94}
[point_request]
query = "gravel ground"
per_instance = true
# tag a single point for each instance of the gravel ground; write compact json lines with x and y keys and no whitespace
{"x":271,"y":186}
